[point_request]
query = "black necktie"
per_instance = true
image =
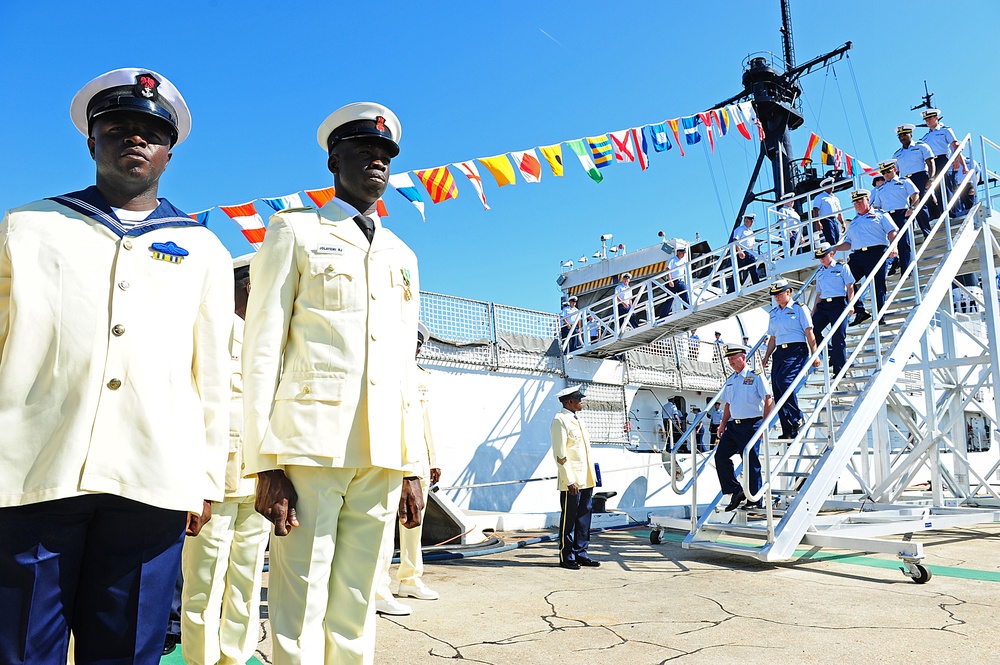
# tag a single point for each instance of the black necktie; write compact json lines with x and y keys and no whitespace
{"x":366,"y":225}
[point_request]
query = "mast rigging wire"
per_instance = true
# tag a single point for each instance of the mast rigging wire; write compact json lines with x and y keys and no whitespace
{"x":861,"y":103}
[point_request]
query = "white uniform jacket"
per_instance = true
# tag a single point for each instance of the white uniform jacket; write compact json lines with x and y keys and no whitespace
{"x":329,"y":339}
{"x":236,"y":484}
{"x":419,"y":436}
{"x":570,"y":440}
{"x":114,"y":363}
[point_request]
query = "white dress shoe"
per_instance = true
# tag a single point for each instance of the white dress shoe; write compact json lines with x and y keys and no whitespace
{"x":393,"y":607}
{"x":417,"y":590}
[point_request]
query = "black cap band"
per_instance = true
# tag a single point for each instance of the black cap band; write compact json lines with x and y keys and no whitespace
{"x":123,"y":98}
{"x":367,"y":129}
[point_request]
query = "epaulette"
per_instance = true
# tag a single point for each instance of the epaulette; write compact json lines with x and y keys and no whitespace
{"x":302,"y":209}
{"x":758,"y":371}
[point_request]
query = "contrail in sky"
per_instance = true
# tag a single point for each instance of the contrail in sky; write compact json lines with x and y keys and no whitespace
{"x":552,"y":38}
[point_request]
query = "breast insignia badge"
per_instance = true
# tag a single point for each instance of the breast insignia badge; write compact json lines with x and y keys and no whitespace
{"x":168,"y":251}
{"x":406,"y":283}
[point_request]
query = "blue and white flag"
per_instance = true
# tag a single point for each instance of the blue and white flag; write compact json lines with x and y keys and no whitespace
{"x":659,"y":136}
{"x":691,"y":134}
{"x":284,"y":202}
{"x":403,"y":183}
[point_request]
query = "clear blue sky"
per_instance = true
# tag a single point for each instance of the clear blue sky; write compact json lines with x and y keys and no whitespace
{"x":471,"y":79}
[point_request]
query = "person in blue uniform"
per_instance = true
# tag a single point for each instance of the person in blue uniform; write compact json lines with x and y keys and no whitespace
{"x":915,"y":160}
{"x":790,"y":341}
{"x":675,"y":280}
{"x":834,"y":289}
{"x":570,"y":325}
{"x":898,"y":197}
{"x":623,"y":302}
{"x":576,"y":481}
{"x":942,"y":142}
{"x":746,"y":259}
{"x":826,"y":212}
{"x":867,"y":238}
{"x":748,"y":401}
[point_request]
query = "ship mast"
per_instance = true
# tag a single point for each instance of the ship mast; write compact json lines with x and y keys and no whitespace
{"x":775,"y":96}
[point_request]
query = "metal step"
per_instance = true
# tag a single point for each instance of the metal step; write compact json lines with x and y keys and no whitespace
{"x":740,"y":529}
{"x":726,"y":548}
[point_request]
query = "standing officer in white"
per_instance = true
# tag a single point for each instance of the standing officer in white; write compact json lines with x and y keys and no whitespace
{"x":327,"y":359}
{"x":577,"y":477}
{"x":223,"y":566}
{"x":411,"y":560}
{"x":114,"y":389}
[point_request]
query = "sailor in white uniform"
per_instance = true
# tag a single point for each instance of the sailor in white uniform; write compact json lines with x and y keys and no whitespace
{"x":116,"y":311}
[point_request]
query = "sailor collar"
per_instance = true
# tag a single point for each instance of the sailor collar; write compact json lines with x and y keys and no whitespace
{"x":90,"y":203}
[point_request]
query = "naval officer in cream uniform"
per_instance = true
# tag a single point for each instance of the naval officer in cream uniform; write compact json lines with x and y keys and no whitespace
{"x":577,"y":477}
{"x":327,"y":359}
{"x":223,"y":565}
{"x":114,"y":389}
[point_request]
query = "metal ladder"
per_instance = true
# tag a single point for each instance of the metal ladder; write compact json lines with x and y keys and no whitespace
{"x":800,"y":475}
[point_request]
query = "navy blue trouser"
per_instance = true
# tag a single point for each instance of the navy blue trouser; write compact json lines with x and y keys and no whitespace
{"x":930,"y":211}
{"x":680,"y":290}
{"x":99,"y":565}
{"x":827,"y":311}
{"x":574,"y":524}
{"x":789,"y":359}
{"x":734,"y":440}
{"x":905,"y":244}
{"x":831,"y":230}
{"x":626,"y":315}
{"x":862,"y":264}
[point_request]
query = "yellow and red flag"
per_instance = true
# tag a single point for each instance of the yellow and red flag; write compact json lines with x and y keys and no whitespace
{"x":439,"y":182}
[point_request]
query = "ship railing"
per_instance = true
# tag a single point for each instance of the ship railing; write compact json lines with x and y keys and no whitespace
{"x":708,"y":278}
{"x":831,"y":383}
{"x":988,"y":174}
{"x":807,"y":231}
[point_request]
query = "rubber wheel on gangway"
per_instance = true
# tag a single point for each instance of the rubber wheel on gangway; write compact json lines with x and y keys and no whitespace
{"x":923,"y":574}
{"x":654,"y":537}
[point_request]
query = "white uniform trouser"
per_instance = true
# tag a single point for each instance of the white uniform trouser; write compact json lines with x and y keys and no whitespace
{"x":323,"y":574}
{"x":411,"y":559}
{"x":223,"y":570}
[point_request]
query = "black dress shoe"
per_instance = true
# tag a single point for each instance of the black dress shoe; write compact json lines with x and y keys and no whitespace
{"x":752,"y":505}
{"x":569,"y":565}
{"x":170,"y":643}
{"x":860,"y":317}
{"x":588,"y":563}
{"x":736,"y":500}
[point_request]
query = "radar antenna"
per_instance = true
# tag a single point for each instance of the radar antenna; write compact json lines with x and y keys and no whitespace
{"x":775,"y":96}
{"x":926,"y":103}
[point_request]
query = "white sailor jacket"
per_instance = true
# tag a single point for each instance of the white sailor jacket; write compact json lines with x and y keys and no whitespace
{"x":114,"y":358}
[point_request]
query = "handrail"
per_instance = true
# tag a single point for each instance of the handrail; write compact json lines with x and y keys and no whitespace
{"x":649,"y":294}
{"x":762,"y":431}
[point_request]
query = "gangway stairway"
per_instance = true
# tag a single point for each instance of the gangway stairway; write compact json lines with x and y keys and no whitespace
{"x":846,"y":425}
